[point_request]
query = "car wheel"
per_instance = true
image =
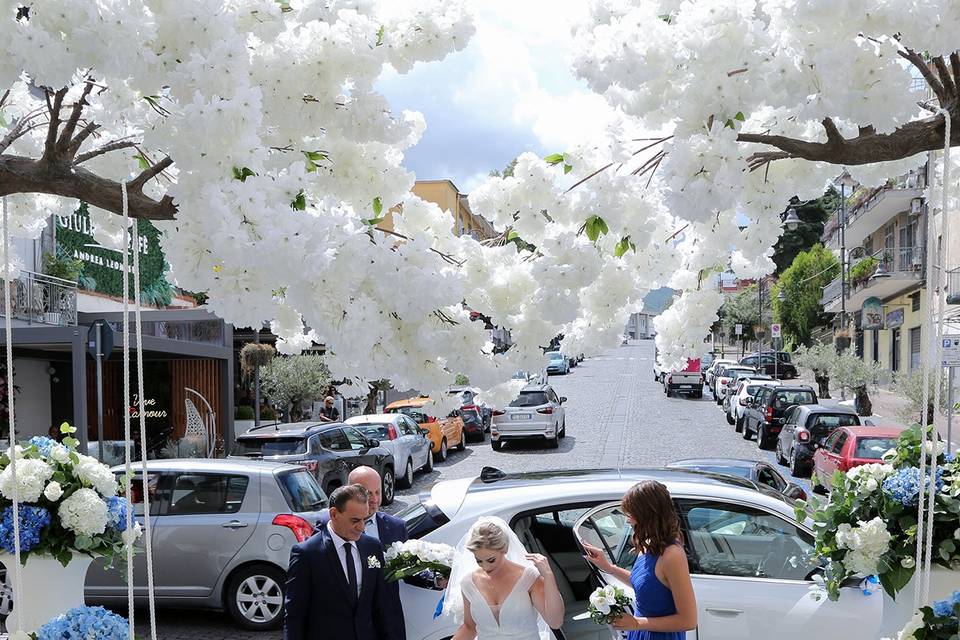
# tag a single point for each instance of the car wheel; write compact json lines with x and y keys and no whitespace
{"x":406,"y":481}
{"x":254,"y":597}
{"x":669,"y":393}
{"x":780,"y":457}
{"x":6,"y":594}
{"x":429,"y":466}
{"x":719,"y":400}
{"x":496,"y":445}
{"x":553,"y":443}
{"x":563,"y":429}
{"x":763,"y":439}
{"x":462,"y":445}
{"x":730,"y":419}
{"x":442,"y":454}
{"x":388,"y":485}
{"x":739,"y":425}
{"x":817,"y":487}
{"x":798,"y":470}
{"x":746,"y":431}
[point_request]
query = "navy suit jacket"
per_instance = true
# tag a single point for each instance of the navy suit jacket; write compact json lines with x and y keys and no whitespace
{"x":391,"y":528}
{"x":318,"y":603}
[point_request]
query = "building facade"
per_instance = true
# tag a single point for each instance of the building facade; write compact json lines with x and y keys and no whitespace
{"x":446,"y":195}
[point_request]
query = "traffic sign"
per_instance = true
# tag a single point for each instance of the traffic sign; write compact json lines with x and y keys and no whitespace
{"x":738,"y":329}
{"x":775,"y":330}
{"x":106,"y":339}
{"x":951,"y":351}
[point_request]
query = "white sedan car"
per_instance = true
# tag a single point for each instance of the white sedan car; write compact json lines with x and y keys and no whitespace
{"x":749,"y":558}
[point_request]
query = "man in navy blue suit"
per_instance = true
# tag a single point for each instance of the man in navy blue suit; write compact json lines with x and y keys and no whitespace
{"x":335,"y":582}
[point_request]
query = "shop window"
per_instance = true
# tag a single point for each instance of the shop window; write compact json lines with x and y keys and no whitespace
{"x":915,"y":301}
{"x":915,"y":348}
{"x":876,"y":346}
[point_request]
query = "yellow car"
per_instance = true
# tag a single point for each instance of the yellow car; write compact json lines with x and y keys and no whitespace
{"x":443,"y":433}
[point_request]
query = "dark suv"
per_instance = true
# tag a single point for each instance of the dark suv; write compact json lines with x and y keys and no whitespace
{"x":765,"y":410}
{"x":804,"y":428}
{"x":329,"y":450}
{"x":779,"y":367}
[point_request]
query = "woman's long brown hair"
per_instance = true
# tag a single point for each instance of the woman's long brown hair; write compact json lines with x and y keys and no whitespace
{"x":657,"y":525}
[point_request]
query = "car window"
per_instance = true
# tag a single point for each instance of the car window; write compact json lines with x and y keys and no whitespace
{"x":608,"y":529}
{"x":334,"y":440}
{"x":301,"y":491}
{"x":281,"y":446}
{"x":158,"y":492}
{"x":530,"y":399}
{"x":750,"y":361}
{"x":827,"y":423}
{"x":356,"y":439}
{"x":407,"y":426}
{"x":207,"y":493}
{"x":839,"y":442}
{"x":553,"y":397}
{"x":378,"y":431}
{"x":873,"y":447}
{"x":770,"y":478}
{"x":787,"y":398}
{"x":742,"y":541}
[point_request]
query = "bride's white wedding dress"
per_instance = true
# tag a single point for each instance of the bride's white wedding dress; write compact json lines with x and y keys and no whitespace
{"x":515,"y":619}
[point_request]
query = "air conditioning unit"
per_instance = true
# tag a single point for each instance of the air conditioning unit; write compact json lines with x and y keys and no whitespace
{"x":916,"y":206}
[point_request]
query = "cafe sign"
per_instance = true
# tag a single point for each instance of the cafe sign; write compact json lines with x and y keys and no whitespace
{"x":895,"y":319}
{"x":872,"y":315}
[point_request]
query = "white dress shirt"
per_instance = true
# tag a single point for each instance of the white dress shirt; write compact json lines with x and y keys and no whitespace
{"x":339,"y":542}
{"x":372,"y":528}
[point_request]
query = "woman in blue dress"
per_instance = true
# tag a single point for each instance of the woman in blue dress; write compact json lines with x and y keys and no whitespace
{"x":665,"y":606}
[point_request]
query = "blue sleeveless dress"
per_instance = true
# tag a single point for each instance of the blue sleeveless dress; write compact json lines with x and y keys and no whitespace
{"x":652,"y":599}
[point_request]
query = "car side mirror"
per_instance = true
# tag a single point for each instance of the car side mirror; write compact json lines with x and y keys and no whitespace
{"x":563,"y":399}
{"x":373,"y":442}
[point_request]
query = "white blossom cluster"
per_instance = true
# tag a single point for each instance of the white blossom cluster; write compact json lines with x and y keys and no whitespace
{"x":870,"y":476}
{"x":424,"y":551}
{"x":283,"y":154}
{"x":91,"y":472}
{"x":867,"y":542}
{"x":84,"y":512}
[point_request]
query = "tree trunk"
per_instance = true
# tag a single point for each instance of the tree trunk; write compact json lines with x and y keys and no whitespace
{"x":862,"y":402}
{"x":823,"y":381}
{"x":372,"y":394}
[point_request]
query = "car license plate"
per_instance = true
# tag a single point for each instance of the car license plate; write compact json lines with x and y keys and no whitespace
{"x":520,"y":416}
{"x":686,"y":386}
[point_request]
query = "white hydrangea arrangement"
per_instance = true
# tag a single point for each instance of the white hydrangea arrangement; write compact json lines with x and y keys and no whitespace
{"x":608,"y":603}
{"x":868,"y":525}
{"x":69,"y":502}
{"x":405,"y":559}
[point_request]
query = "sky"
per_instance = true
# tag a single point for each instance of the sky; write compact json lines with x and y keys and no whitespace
{"x":510,"y":90}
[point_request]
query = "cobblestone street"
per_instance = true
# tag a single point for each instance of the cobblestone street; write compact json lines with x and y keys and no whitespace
{"x":617,"y":416}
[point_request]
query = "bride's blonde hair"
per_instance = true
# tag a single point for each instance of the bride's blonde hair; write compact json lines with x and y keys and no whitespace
{"x":487,"y":535}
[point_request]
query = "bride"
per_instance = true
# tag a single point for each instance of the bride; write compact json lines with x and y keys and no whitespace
{"x":497,"y":591}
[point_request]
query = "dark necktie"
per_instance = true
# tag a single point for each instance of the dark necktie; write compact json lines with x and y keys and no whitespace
{"x":351,"y":570}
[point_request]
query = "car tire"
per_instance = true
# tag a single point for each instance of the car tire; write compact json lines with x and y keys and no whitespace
{"x":462,"y":445}
{"x":746,"y":431}
{"x":563,"y":429}
{"x":719,"y":400}
{"x":442,"y":454}
{"x":388,"y":484}
{"x":428,"y":467}
{"x":763,"y":439}
{"x":553,"y":443}
{"x":779,"y":453}
{"x":668,"y":392}
{"x":796,"y":469}
{"x":261,"y":581}
{"x":730,"y":419}
{"x":496,"y":445}
{"x":698,"y":394}
{"x":816,"y":486}
{"x":739,"y":425}
{"x":406,"y":480}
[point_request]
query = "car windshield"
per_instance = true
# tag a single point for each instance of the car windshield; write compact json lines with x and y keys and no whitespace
{"x":280,"y":446}
{"x":788,"y":398}
{"x":873,"y":448}
{"x":553,"y":355}
{"x":831,"y":422}
{"x":729,"y":371}
{"x":743,"y":472}
{"x":372,"y":430}
{"x":417,"y":414}
{"x":530,"y":399}
{"x":301,"y":491}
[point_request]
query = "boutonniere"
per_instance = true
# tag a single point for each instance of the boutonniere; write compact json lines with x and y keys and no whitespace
{"x":373,"y":562}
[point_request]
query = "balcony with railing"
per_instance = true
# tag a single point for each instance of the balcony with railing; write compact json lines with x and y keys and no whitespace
{"x":900,"y":269}
{"x":869,"y":210}
{"x":42,"y":299}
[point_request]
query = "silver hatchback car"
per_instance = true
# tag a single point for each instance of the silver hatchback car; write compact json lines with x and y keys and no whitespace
{"x":222,"y":534}
{"x":402,"y":437}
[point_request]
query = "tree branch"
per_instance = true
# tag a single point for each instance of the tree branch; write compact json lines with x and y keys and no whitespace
{"x":917,"y":61}
{"x":80,"y":137}
{"x":107,"y":148}
{"x":145,"y":176}
{"x":63,"y":144}
{"x":955,"y":65}
{"x":833,"y":133}
{"x":27,"y":175}
{"x":49,"y":149}
{"x":944,"y":73}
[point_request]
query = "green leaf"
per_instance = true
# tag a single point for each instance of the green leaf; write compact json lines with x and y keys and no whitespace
{"x":377,"y":207}
{"x":313,"y":157}
{"x":895,"y":579}
{"x":567,"y":168}
{"x":242,"y":174}
{"x":511,"y":235}
{"x":3,"y":120}
{"x":595,"y":227}
{"x":380,"y":33}
{"x":72,"y":443}
{"x":622,"y":247}
{"x":740,"y":116}
{"x":300,"y":202}
{"x":374,"y":221}
{"x":143,"y":162}
{"x":603,"y":225}
{"x":554,"y":158}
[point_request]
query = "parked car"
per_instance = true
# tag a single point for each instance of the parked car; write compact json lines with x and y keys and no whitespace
{"x":722,"y":380}
{"x":557,"y":363}
{"x":734,"y":384}
{"x":849,"y":447}
{"x":736,"y":402}
{"x":804,"y":428}
{"x":329,"y":450}
{"x":709,"y":376}
{"x":222,"y":532}
{"x":749,"y":557}
{"x":405,"y":440}
{"x":689,"y":381}
{"x":476,"y":417}
{"x":765,"y":411}
{"x":443,"y":434}
{"x":537,"y":413}
{"x":472,"y":422}
{"x":780,"y":368}
{"x":761,"y":474}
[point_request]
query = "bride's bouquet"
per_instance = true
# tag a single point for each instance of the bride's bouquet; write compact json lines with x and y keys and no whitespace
{"x":609,"y":603}
{"x":405,"y":559}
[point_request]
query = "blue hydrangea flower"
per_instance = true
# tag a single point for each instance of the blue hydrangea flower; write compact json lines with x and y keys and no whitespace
{"x":117,"y":513}
{"x":944,"y":608}
{"x":32,"y":522}
{"x":904,"y":485}
{"x":44,"y":444}
{"x":85,"y":623}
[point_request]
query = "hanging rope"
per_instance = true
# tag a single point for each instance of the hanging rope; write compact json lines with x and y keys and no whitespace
{"x":128,"y":465}
{"x":17,"y":581}
{"x":143,"y":426}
